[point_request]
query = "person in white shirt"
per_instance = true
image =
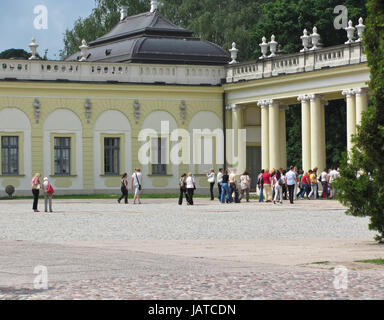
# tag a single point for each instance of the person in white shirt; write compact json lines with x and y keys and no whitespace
{"x":220,"y":181}
{"x":245,"y":185}
{"x":47,"y":196}
{"x":324,"y":182}
{"x":136,"y":185}
{"x":278,"y":181}
{"x":333,"y":176}
{"x":190,"y":188}
{"x":291,"y":181}
{"x":211,"y":180}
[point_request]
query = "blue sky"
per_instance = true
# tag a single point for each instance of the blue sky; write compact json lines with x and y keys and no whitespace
{"x":17,"y":23}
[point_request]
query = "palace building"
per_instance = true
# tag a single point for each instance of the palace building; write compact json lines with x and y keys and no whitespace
{"x":79,"y":121}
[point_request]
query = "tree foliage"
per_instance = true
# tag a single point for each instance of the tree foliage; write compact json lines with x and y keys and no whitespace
{"x":101,"y":20}
{"x":361,"y":184}
{"x":20,"y":54}
{"x":14,"y":53}
{"x":287,"y":19}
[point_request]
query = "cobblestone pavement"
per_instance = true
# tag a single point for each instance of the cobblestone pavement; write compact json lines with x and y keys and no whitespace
{"x":263,"y":285}
{"x":97,"y":250}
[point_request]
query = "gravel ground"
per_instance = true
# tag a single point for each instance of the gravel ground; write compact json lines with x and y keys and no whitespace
{"x":73,"y":244}
{"x":164,"y":220}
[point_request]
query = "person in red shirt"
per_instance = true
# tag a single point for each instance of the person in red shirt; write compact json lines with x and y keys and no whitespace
{"x":267,"y":185}
{"x":304,"y":185}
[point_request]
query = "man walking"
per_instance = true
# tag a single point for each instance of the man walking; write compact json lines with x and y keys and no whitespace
{"x":136,"y":185}
{"x":291,"y":181}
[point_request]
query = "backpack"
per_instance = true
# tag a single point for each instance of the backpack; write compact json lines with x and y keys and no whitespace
{"x":50,"y":189}
{"x":281,"y":181}
{"x":182,"y":183}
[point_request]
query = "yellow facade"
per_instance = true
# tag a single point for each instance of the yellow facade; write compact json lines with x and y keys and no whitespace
{"x":71,"y":97}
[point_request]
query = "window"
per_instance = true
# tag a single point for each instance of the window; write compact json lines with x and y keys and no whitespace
{"x":112,"y":156}
{"x":10,"y":155}
{"x":159,"y":155}
{"x":62,"y":156}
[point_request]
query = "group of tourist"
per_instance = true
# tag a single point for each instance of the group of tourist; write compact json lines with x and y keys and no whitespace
{"x":273,"y":186}
{"x":136,"y":184}
{"x":48,"y":191}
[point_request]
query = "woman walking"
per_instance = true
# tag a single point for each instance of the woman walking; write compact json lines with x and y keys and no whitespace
{"x":124,"y":188}
{"x":191,"y":186}
{"x":36,"y":191}
{"x":183,"y":188}
{"x":314,"y":186}
{"x":48,"y":193}
{"x":245,"y":184}
{"x":233,"y":186}
{"x":226,"y":195}
{"x":211,"y":180}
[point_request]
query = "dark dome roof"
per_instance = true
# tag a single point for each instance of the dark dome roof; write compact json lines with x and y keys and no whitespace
{"x":151,"y":38}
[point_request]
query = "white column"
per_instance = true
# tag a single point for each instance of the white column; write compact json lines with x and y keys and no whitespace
{"x":263,"y":104}
{"x":361,"y":103}
{"x":317,"y":132}
{"x":229,"y":144}
{"x":283,"y":138}
{"x":351,"y":116}
{"x":240,"y":140}
{"x":274,"y":134}
{"x":305,"y":131}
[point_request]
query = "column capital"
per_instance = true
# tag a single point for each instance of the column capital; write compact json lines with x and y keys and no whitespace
{"x":360,"y":91}
{"x":263,"y":103}
{"x":274,"y":102}
{"x":313,"y":97}
{"x":234,"y":107}
{"x":303,"y":98}
{"x":348,"y":93}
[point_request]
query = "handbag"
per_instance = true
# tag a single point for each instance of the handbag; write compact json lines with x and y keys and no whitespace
{"x":50,"y":189}
{"x":137,"y":179}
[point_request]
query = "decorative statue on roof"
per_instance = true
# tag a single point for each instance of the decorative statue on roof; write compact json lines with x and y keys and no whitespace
{"x":154,"y":5}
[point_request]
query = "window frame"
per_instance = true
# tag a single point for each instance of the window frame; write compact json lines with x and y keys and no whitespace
{"x":110,"y":149}
{"x":159,"y":169}
{"x":62,"y":147}
{"x":9,"y":147}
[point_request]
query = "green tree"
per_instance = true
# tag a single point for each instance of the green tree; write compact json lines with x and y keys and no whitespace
{"x":361,"y":182}
{"x":20,"y":54}
{"x":101,"y":20}
{"x":287,"y":19}
{"x":14,"y":53}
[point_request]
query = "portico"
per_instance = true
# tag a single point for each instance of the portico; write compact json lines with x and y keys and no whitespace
{"x":313,"y":86}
